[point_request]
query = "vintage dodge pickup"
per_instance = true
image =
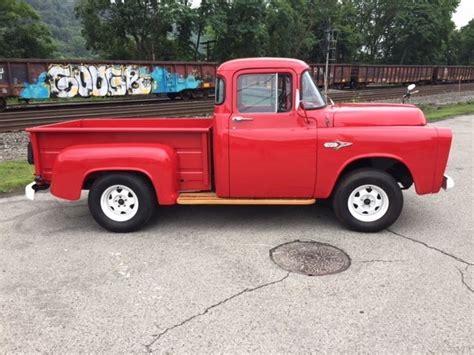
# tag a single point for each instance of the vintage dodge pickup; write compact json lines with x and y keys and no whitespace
{"x":273,"y":140}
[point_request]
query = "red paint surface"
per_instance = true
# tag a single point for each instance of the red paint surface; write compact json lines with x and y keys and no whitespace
{"x":274,"y":155}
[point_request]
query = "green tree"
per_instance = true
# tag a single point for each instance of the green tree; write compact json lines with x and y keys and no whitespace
{"x":349,"y":40}
{"x":421,"y":32}
{"x":238,"y":28}
{"x":466,"y":44}
{"x":290,"y":25}
{"x":374,"y":21}
{"x":185,"y":24}
{"x":22,"y":34}
{"x":140,"y":29}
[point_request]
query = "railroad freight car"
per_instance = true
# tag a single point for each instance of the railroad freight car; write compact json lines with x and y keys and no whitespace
{"x":451,"y":74}
{"x":42,"y":79}
{"x":362,"y":75}
{"x":339,"y":75}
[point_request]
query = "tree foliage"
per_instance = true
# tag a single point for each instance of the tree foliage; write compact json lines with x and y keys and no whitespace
{"x":22,"y":34}
{"x":65,"y":28}
{"x":370,"y":31}
{"x":139,"y":29}
{"x":465,"y":44}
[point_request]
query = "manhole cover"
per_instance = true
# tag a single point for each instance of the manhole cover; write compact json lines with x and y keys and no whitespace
{"x":310,"y":258}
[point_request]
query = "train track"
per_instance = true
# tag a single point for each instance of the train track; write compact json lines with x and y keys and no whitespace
{"x":396,"y":93}
{"x":140,"y":100}
{"x":19,"y":119}
{"x":11,"y":121}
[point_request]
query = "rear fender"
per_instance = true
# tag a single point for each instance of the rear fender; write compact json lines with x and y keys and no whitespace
{"x":156,"y":161}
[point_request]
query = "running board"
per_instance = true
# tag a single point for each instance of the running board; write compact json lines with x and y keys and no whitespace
{"x":210,"y":198}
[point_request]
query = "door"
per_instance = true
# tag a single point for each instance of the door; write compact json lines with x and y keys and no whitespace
{"x":272,"y":148}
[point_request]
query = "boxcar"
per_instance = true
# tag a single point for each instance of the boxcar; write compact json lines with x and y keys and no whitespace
{"x":453,"y":74}
{"x":339,"y":75}
{"x":362,"y":75}
{"x":45,"y":78}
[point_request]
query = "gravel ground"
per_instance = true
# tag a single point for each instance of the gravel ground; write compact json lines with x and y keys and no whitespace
{"x":13,"y":144}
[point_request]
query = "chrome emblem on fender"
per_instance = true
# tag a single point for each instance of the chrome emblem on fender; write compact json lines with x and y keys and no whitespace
{"x":337,"y":145}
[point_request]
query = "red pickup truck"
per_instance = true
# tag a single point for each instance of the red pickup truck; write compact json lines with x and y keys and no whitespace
{"x":272,"y":140}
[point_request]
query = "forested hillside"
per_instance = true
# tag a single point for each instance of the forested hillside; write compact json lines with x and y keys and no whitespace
{"x":65,"y":28}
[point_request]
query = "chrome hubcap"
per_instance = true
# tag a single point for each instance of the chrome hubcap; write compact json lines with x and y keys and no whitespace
{"x":119,"y":203}
{"x":368,"y":203}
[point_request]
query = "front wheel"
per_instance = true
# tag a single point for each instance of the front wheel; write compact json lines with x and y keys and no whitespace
{"x":368,"y":200}
{"x":122,"y":202}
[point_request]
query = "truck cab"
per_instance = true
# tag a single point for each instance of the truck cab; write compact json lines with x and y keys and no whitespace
{"x":273,"y":139}
{"x":267,"y":143}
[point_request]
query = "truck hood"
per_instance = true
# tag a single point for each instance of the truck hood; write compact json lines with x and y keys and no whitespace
{"x":374,"y":114}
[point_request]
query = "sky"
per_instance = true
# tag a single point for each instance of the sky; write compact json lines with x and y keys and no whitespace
{"x":464,"y":13}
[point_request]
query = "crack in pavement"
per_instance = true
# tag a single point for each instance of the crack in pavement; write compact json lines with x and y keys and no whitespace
{"x":381,"y":261}
{"x":463,"y":280}
{"x":432,"y":247}
{"x":444,"y":253}
{"x":220,"y":303}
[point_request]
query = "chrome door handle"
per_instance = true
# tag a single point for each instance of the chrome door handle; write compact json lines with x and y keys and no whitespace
{"x":240,"y":119}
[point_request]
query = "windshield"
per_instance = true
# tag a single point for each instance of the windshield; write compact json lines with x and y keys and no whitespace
{"x":310,"y":94}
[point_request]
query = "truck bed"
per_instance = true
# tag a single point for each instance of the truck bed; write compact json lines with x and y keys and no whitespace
{"x":189,"y":137}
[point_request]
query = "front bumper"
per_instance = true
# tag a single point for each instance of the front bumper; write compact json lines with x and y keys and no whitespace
{"x":448,"y":182}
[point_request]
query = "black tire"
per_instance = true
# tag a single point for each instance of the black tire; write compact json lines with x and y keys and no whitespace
{"x":3,"y":104}
{"x":383,"y":184}
{"x":139,"y":188}
{"x":172,"y":96}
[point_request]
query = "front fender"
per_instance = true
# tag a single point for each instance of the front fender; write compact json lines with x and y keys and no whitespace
{"x":74,"y":164}
{"x":415,"y":147}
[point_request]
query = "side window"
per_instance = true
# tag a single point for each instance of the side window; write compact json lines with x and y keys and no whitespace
{"x":264,"y":93}
{"x":220,"y":91}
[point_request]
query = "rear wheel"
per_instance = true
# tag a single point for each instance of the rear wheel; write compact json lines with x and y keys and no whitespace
{"x":368,"y":200}
{"x":122,"y":202}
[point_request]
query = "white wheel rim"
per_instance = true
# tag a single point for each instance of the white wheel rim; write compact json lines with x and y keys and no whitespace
{"x":119,"y":203}
{"x":368,"y":203}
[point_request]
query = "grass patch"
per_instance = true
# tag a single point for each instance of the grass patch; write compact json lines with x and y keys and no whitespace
{"x":14,"y":175}
{"x":438,"y":112}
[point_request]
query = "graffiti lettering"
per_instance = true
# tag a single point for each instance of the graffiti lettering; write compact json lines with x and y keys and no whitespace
{"x":85,"y":81}
{"x":66,"y":81}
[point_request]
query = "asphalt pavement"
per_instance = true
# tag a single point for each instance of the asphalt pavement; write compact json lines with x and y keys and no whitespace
{"x":200,"y":279}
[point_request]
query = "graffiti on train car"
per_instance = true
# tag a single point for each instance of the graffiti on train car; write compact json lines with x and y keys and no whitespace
{"x":66,"y":81}
{"x":85,"y":81}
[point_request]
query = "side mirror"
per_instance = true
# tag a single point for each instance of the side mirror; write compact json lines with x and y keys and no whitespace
{"x":411,"y":87}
